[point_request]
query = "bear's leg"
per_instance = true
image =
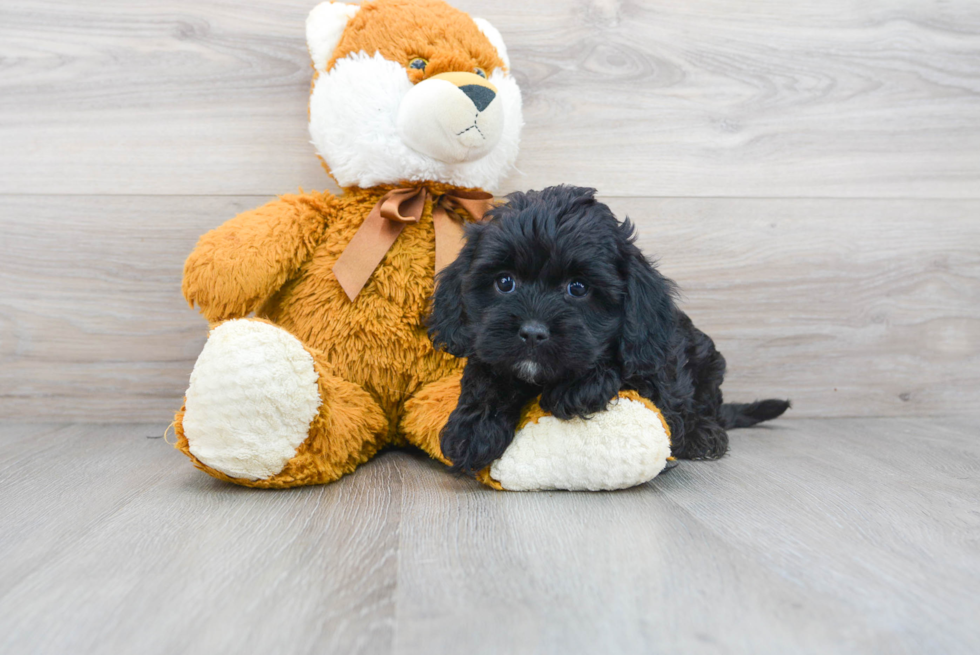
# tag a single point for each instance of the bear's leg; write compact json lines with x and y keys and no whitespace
{"x":261,"y":411}
{"x":625,"y":445}
{"x":426,"y":414}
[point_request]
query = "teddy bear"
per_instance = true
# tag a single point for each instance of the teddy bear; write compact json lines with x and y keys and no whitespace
{"x":318,"y":355}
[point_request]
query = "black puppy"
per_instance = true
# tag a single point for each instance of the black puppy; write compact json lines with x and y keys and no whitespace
{"x":551,"y":296}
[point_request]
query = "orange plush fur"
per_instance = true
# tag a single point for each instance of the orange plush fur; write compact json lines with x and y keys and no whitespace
{"x":380,"y":380}
{"x":402,"y":30}
{"x":372,"y":354}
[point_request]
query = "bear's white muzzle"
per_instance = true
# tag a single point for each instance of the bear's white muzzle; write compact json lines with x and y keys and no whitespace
{"x":452,"y":117}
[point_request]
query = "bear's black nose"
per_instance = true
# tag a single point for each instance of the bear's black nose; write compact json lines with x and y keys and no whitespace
{"x":480,"y":95}
{"x":534,"y":333}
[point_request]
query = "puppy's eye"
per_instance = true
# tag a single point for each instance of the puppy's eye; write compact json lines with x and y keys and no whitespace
{"x":577,"y":288}
{"x":505,"y":284}
{"x":482,"y":73}
{"x":418,"y":64}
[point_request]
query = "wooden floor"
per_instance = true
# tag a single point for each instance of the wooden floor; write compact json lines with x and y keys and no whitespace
{"x":814,"y":535}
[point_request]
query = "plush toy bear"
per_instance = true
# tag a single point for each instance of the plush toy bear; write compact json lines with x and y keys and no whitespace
{"x":414,"y":112}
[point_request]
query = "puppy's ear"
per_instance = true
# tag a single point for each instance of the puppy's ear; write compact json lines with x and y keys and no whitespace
{"x":649,"y":315}
{"x":448,"y":327}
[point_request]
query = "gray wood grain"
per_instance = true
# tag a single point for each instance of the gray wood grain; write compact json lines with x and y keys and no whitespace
{"x":703,"y":98}
{"x":876,"y":517}
{"x":812,"y":536}
{"x":111,"y":542}
{"x":849,"y":307}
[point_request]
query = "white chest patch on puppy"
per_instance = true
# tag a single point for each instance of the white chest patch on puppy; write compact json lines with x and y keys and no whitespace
{"x":527,"y":370}
{"x":622,"y":447}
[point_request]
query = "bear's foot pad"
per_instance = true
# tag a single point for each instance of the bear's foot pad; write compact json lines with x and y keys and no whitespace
{"x":625,"y":445}
{"x":252,"y":396}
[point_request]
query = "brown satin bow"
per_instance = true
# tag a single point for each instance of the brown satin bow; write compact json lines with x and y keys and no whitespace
{"x":388,"y":218}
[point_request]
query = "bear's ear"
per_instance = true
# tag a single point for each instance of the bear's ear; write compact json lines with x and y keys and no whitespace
{"x":494,"y":37}
{"x":324,"y":27}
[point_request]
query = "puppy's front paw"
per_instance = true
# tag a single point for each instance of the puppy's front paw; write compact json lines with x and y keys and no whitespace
{"x":471,"y":442}
{"x":582,"y":397}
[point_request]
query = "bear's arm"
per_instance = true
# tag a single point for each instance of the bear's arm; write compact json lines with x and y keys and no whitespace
{"x":236,"y":266}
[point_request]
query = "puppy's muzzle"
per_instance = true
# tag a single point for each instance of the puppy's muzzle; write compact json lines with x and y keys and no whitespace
{"x":452,"y":117}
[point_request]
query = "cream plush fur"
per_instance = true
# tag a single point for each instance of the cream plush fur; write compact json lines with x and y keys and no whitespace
{"x":252,"y":396}
{"x":405,"y":132}
{"x":381,"y":156}
{"x":457,"y":132}
{"x":362,"y":109}
{"x":324,"y":26}
{"x":622,"y":447}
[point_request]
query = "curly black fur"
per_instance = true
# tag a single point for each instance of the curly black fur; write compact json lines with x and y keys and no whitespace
{"x":624,"y":332}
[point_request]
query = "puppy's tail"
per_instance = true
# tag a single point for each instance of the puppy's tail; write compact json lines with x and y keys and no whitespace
{"x":742,"y":415}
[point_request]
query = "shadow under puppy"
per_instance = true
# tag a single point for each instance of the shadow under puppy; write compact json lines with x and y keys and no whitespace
{"x":552,"y":297}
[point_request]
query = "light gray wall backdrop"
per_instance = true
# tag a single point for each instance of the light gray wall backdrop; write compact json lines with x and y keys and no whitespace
{"x":808,"y":172}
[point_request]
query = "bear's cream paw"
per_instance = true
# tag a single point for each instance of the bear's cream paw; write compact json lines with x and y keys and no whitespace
{"x":252,"y":396}
{"x":622,"y":447}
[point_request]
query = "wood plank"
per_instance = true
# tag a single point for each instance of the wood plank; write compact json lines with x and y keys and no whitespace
{"x":112,"y":542}
{"x":826,"y":535}
{"x":878,"y":515}
{"x":701,"y":98}
{"x":782,"y":547}
{"x":91,"y":316}
{"x":557,"y":573}
{"x":850,"y":308}
{"x":21,"y":437}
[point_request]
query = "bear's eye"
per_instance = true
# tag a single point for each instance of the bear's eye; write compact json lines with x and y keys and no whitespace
{"x":577,"y":288}
{"x":505,"y":283}
{"x":418,"y":64}
{"x":482,"y":73}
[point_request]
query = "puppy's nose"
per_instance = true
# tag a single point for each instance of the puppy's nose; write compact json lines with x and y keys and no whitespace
{"x":534,"y":333}
{"x":480,"y":95}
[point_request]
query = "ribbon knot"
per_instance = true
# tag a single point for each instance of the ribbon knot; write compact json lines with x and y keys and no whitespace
{"x":388,"y":218}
